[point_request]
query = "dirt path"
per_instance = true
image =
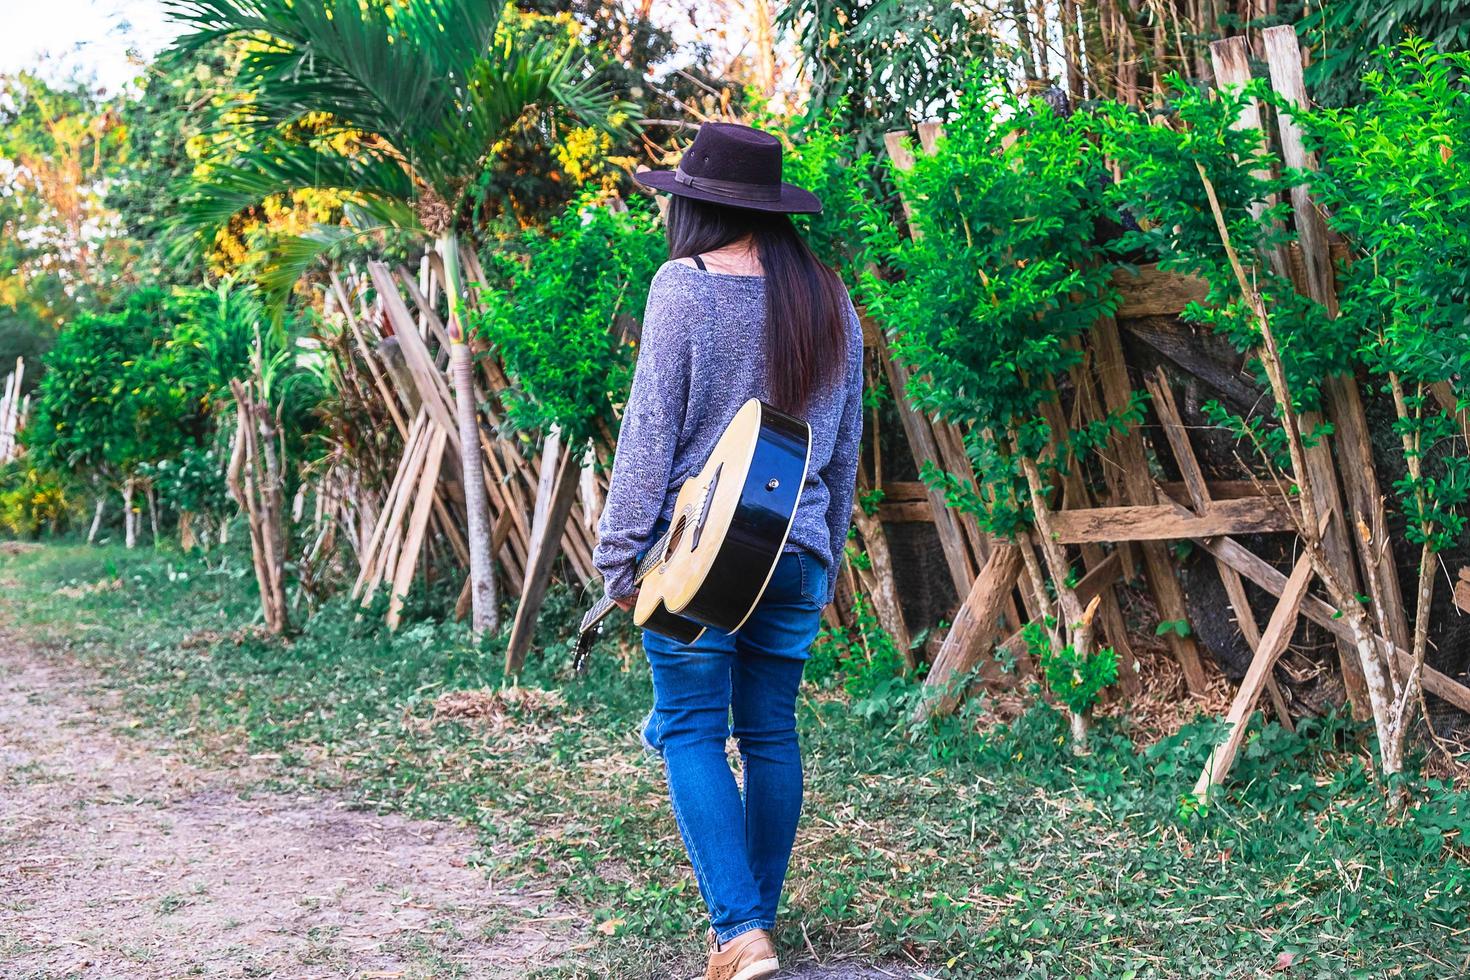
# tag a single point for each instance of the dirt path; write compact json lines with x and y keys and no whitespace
{"x":121,"y":860}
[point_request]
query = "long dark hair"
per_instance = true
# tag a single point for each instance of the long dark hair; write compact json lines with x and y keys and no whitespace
{"x":806,"y":336}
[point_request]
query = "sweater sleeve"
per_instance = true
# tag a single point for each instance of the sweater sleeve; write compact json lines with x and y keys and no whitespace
{"x":840,"y":474}
{"x":652,"y":420}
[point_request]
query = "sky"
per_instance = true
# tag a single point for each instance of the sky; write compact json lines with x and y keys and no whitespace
{"x":94,"y":36}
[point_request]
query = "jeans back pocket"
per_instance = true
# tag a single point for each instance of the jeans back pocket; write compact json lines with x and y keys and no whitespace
{"x":813,"y":579}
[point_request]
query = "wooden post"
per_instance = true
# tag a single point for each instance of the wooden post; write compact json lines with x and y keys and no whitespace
{"x":1199,"y":495}
{"x":1344,"y":402}
{"x":6,"y":400}
{"x":254,"y":479}
{"x":546,"y":533}
{"x":973,"y":629}
{"x":97,"y":517}
{"x":1075,"y":493}
{"x":130,"y":517}
{"x":920,"y":433}
{"x":1132,"y":464}
{"x":1273,"y":642}
{"x":1231,"y":59}
{"x":964,"y":546}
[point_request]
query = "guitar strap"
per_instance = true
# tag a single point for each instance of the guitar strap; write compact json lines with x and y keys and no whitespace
{"x":699,"y":261}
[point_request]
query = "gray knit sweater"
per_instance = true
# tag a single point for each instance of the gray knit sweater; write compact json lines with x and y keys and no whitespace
{"x":702,"y":356}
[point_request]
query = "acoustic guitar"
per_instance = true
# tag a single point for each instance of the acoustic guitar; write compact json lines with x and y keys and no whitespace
{"x":730,"y":522}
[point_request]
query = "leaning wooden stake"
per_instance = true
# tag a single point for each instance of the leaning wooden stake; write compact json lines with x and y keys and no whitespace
{"x":1127,"y":447}
{"x":1273,"y":642}
{"x":560,"y":477}
{"x":1233,"y":68}
{"x":1344,"y":401}
{"x":973,"y":631}
{"x":423,"y":506}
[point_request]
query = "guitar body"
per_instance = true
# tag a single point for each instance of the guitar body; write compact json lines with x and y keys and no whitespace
{"x":729,"y":526}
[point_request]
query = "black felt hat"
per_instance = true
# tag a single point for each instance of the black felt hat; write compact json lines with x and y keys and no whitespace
{"x":736,"y":166}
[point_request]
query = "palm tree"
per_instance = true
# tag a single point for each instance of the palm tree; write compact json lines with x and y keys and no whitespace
{"x":395,"y":105}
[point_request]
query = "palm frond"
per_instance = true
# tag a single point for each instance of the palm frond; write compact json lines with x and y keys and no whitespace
{"x":292,"y":256}
{"x":280,"y":166}
{"x":396,"y":70}
{"x":423,"y":76}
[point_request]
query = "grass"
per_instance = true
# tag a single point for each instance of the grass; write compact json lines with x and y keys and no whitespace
{"x":958,"y":852}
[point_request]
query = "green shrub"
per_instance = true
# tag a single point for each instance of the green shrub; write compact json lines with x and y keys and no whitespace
{"x":1001,"y":276}
{"x":1075,"y":679}
{"x":557,"y":309}
{"x":33,"y":501}
{"x":863,"y":656}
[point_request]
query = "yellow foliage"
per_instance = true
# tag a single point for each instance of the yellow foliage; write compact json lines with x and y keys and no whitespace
{"x":583,"y":154}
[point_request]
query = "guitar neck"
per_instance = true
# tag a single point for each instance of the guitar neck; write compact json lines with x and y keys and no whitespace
{"x":606,"y":605}
{"x":651,"y":558}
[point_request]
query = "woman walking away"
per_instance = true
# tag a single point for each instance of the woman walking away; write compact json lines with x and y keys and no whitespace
{"x":743,"y":309}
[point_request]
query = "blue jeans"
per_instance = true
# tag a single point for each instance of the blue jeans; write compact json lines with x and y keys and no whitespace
{"x":739,"y":848}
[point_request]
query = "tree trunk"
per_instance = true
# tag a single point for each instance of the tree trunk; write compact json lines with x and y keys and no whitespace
{"x":1078,"y":721}
{"x":152,"y":497}
{"x":97,"y":518}
{"x":130,"y":519}
{"x":483,"y":612}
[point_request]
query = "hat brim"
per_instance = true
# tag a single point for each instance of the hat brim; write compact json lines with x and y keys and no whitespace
{"x":793,"y":199}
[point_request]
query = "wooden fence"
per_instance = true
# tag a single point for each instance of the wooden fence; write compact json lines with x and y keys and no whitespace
{"x":1118,"y":528}
{"x":1129,"y":526}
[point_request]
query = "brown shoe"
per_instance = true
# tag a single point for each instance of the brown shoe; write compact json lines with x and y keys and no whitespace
{"x":749,"y":956}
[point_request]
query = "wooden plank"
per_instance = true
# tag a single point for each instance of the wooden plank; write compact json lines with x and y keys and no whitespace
{"x":545,"y":536}
{"x":1191,"y":350}
{"x":1273,"y":642}
{"x":1096,"y":581}
{"x":418,"y":523}
{"x":1146,"y":290}
{"x":1257,"y":570}
{"x":1132,"y":467}
{"x":1217,"y":490}
{"x":1164,"y":522}
{"x":905,"y":502}
{"x":974,"y":625}
{"x":1199,"y":496}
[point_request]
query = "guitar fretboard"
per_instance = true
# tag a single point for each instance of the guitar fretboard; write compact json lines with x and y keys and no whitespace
{"x":605,"y":605}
